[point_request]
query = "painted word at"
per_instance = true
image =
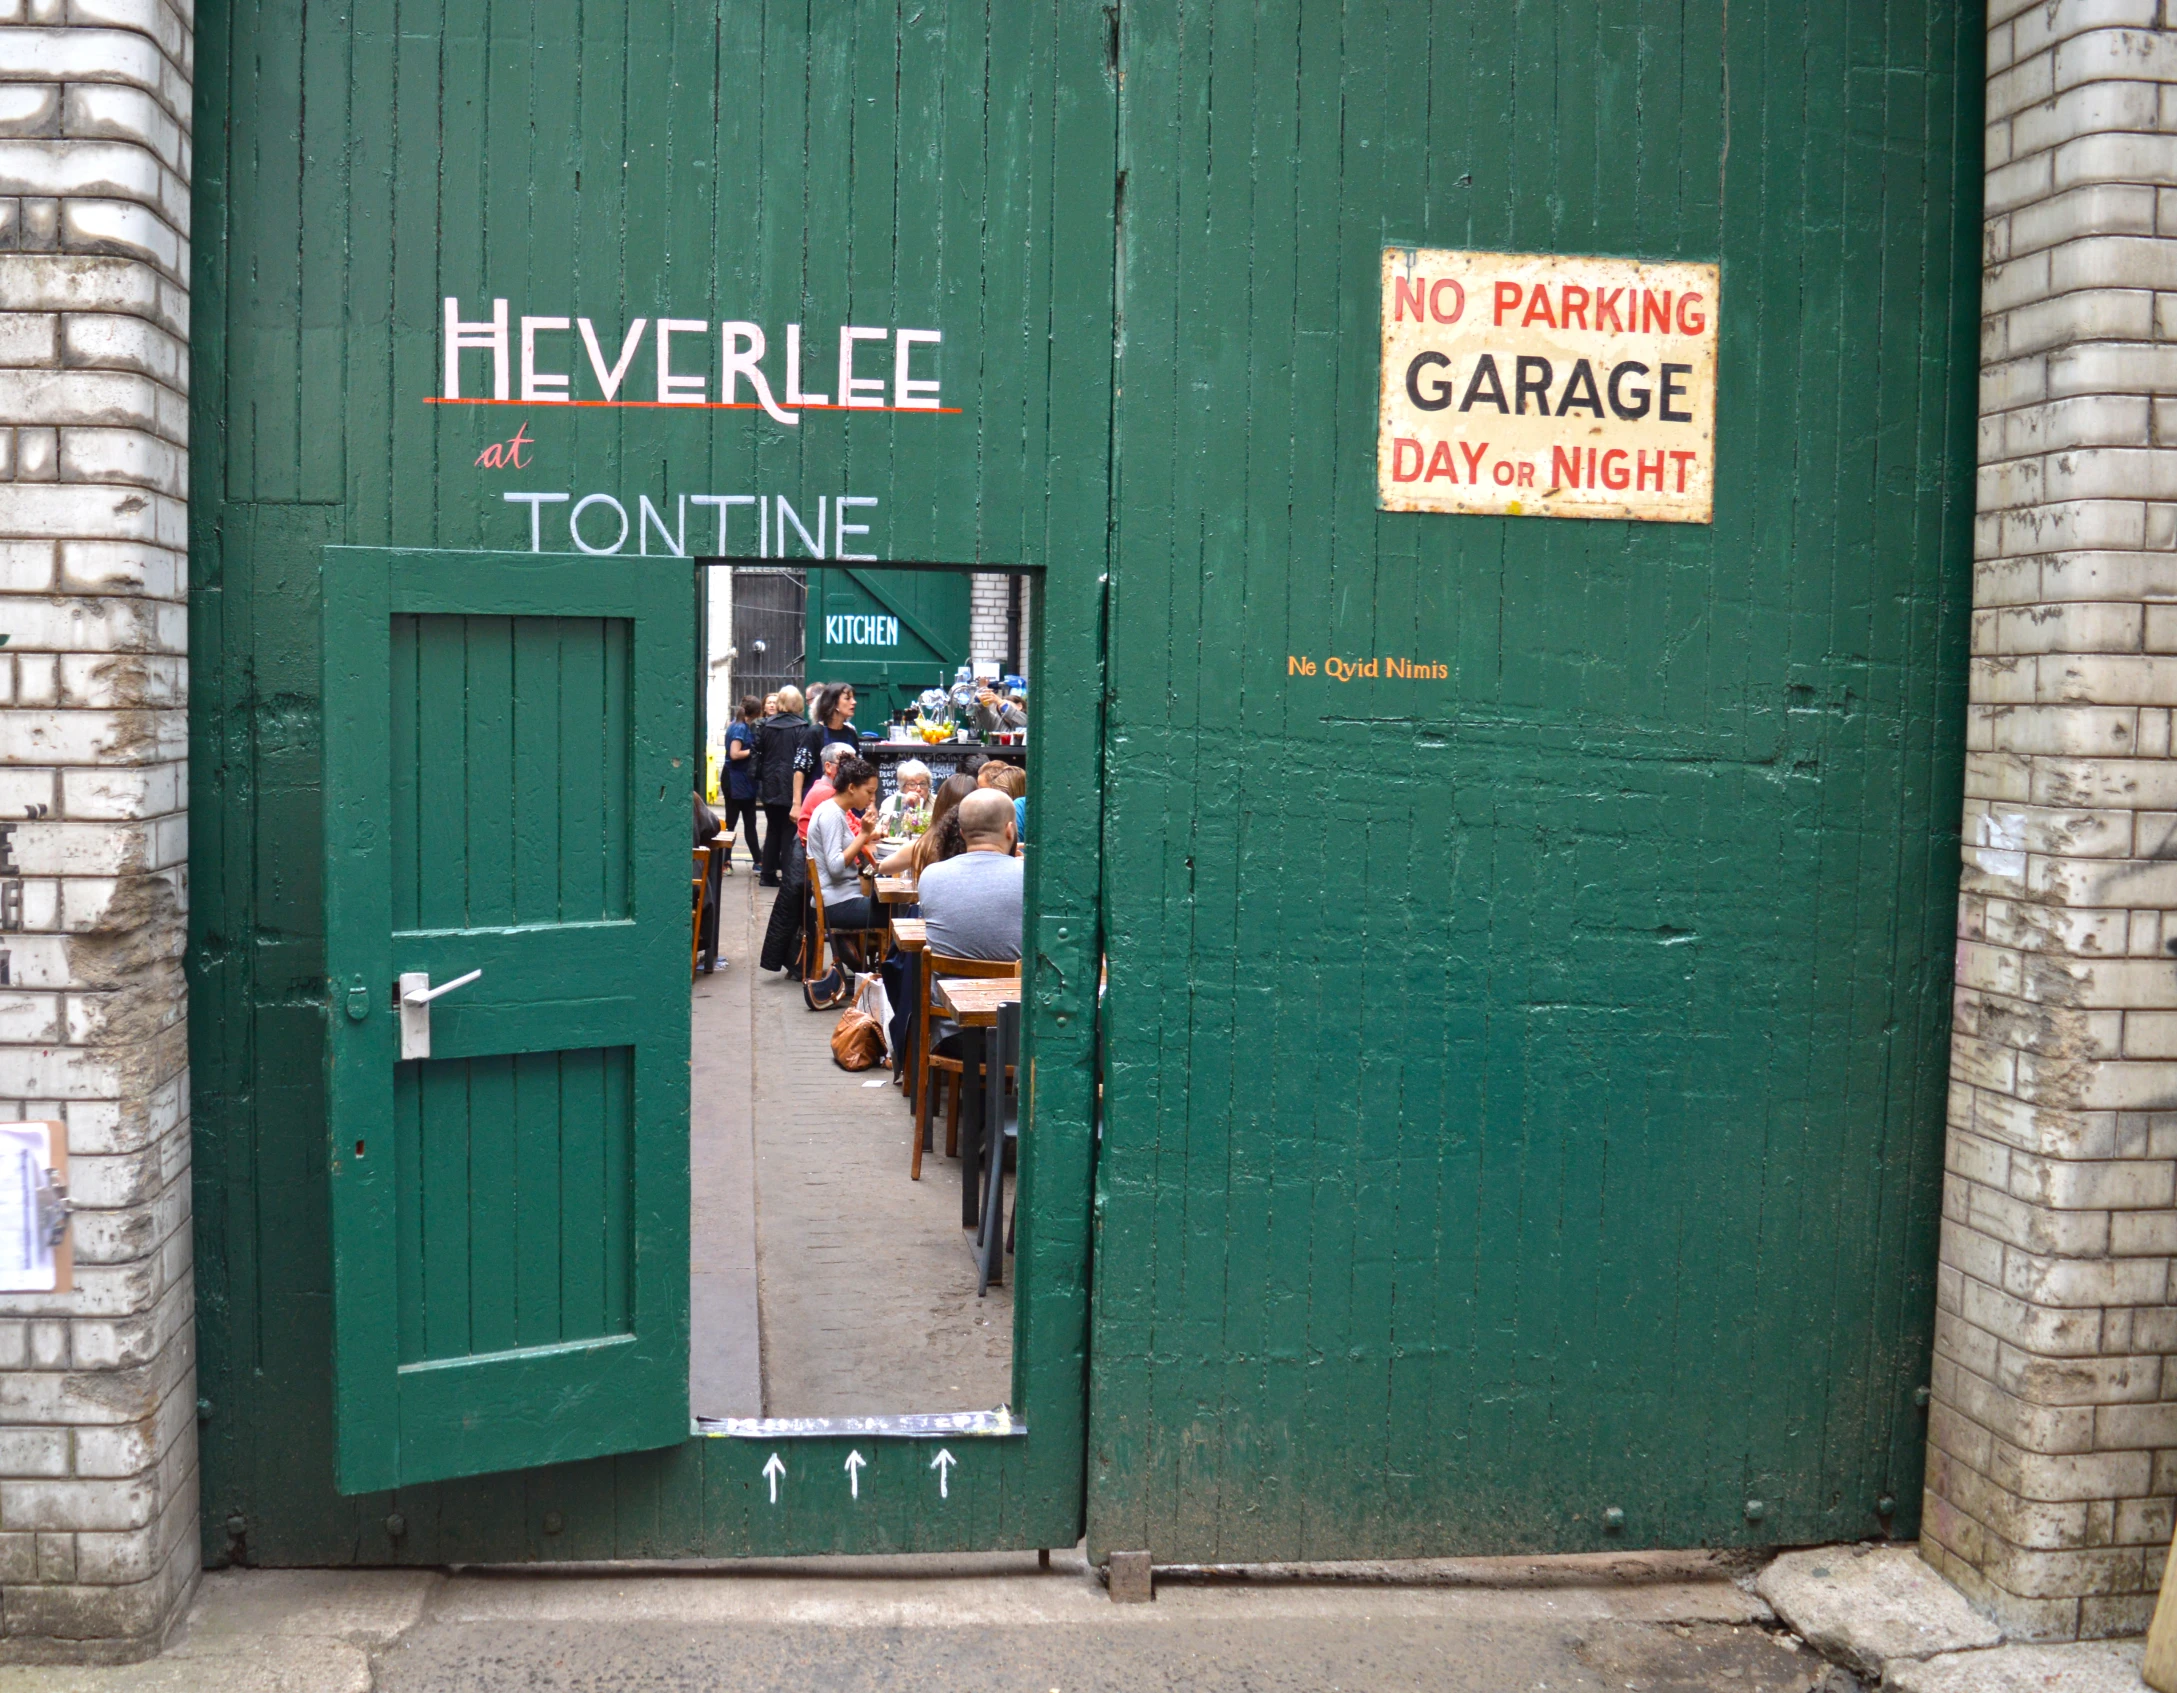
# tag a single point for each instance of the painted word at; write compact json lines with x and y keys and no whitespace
{"x":507,"y":454}
{"x":850,"y":630}
{"x":1529,"y":384}
{"x":1367,"y":669}
{"x":601,"y":523}
{"x":561,"y":359}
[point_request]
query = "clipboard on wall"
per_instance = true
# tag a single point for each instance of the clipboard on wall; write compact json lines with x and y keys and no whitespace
{"x":37,"y":1251}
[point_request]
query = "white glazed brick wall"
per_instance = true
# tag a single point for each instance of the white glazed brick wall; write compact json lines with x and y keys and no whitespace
{"x":98,"y":1537}
{"x":987,"y":622}
{"x":2053,"y":1424}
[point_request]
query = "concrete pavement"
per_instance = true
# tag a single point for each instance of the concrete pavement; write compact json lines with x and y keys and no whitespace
{"x":801,"y":1206}
{"x":1884,"y":1613}
{"x":961,"y":1624}
{"x":1631,"y":1623}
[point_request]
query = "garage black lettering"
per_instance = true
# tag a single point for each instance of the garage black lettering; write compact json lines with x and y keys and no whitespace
{"x":1439,"y":395}
{"x":1531,"y":376}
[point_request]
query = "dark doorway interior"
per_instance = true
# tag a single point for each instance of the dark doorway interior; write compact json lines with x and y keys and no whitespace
{"x":769,"y":625}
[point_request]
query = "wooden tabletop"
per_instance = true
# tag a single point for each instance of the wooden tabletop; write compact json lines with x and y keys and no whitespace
{"x":974,"y":1000}
{"x":896,"y":890}
{"x":912,"y":933}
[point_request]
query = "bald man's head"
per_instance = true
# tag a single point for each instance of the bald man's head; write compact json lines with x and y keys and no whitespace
{"x":985,"y":816}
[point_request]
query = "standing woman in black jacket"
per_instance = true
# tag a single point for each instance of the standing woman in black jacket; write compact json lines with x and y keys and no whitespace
{"x":783,"y":762}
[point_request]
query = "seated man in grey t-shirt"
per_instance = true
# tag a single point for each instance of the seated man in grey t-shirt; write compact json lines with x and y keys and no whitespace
{"x":972,"y":904}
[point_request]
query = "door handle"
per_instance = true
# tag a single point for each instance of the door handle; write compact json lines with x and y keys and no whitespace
{"x":416,"y":994}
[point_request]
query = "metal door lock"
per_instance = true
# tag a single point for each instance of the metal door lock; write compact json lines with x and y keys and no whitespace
{"x":416,"y":994}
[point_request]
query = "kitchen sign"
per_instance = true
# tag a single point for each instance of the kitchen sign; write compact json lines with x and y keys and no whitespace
{"x":1536,"y":385}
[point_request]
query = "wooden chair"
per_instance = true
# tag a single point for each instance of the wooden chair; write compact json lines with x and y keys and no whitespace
{"x":931,"y":1065}
{"x":702,"y":905}
{"x":993,"y":1231}
{"x":868,"y":942}
{"x":720,"y":847}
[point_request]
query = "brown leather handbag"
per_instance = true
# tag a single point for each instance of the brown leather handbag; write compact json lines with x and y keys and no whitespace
{"x":857,"y":1043}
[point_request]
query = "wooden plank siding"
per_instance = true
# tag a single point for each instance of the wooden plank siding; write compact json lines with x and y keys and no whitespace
{"x":861,"y":163}
{"x":1525,"y":1093}
{"x":507,"y":734}
{"x":1522,"y":1092}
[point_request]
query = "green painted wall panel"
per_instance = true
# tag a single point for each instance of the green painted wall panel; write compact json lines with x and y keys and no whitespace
{"x":477,"y":1274}
{"x":1523,"y":1091}
{"x":736,"y":160}
{"x":1525,"y":1088}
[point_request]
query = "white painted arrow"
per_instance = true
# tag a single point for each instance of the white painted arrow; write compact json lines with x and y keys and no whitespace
{"x":855,"y":1461}
{"x":943,"y":1464}
{"x":772,"y":1471}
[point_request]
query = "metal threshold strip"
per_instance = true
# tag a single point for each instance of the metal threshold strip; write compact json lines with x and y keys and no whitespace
{"x":911,"y":1425}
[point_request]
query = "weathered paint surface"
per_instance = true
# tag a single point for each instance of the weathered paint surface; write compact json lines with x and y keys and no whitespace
{"x":1547,"y":385}
{"x":1526,"y":1084}
{"x":1524,"y":1068}
{"x":506,"y":816}
{"x":712,"y":165}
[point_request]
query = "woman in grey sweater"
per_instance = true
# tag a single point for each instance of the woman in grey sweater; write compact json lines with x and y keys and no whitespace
{"x":838,"y":843}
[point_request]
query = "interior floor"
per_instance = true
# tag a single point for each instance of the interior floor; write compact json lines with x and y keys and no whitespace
{"x":825,"y":1283}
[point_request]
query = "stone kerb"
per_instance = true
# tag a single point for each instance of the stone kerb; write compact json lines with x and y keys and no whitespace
{"x":98,"y":1542}
{"x":2053,"y":1428}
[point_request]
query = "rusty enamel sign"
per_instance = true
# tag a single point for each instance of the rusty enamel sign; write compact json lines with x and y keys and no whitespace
{"x":1540,"y":385}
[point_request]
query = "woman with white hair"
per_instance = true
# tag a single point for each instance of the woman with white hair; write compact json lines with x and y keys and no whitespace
{"x":906,"y":813}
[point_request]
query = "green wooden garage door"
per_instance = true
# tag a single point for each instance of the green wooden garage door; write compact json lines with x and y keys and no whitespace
{"x":1526,"y":1088}
{"x":807,"y":170}
{"x":1522,"y":1092}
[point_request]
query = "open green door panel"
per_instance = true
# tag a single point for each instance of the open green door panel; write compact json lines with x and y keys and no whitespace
{"x":505,"y":810}
{"x":507,"y":793}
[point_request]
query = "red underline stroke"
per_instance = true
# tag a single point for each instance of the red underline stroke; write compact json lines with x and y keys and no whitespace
{"x":688,"y":405}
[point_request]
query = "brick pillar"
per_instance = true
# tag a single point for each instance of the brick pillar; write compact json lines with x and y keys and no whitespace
{"x":987,"y":603}
{"x":98,"y":1536}
{"x":2053,"y":1432}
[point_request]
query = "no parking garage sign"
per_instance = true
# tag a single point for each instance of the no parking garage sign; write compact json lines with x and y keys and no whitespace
{"x":1538,"y":385}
